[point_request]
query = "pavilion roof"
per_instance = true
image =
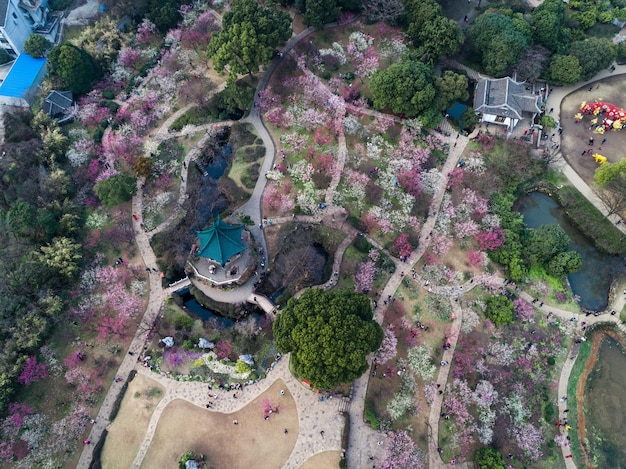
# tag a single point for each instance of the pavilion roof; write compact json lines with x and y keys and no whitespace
{"x":220,"y":241}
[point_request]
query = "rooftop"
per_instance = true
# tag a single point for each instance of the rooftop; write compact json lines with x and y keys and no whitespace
{"x":57,"y":102}
{"x":505,"y":97}
{"x":23,"y":74}
{"x":220,"y":241}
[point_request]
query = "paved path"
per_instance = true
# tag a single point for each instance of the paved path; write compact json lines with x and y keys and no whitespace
{"x":308,"y":444}
{"x":554,"y":102}
{"x":264,"y":303}
{"x":313,"y":415}
{"x":362,"y":437}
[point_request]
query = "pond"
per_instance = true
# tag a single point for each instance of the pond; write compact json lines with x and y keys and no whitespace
{"x":606,"y":407}
{"x":593,"y":280}
{"x":196,"y":309}
{"x":213,"y":201}
{"x":220,"y":162}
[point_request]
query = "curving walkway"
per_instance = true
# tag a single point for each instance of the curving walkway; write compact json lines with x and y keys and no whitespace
{"x":554,"y":101}
{"x":363,"y":442}
{"x":313,"y":415}
{"x":310,"y":415}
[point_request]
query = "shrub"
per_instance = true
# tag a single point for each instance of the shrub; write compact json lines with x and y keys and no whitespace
{"x":370,"y":417}
{"x":183,"y":322}
{"x":194,"y":116}
{"x":499,"y":310}
{"x":242,"y":367}
{"x":362,"y":244}
{"x":250,"y":176}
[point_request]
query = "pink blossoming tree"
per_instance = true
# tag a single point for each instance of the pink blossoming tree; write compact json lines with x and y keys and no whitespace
{"x":33,"y":371}
{"x":401,"y":451}
{"x":388,"y":347}
{"x":364,"y":277}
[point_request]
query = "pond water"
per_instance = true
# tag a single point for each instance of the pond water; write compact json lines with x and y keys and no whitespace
{"x":605,"y":406}
{"x":220,"y":162}
{"x":196,"y":309}
{"x":213,"y":201}
{"x":593,"y":280}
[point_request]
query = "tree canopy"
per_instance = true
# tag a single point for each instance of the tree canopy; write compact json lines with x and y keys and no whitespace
{"x":546,"y":242}
{"x":564,"y":70}
{"x":75,"y":66}
{"x":497,"y":41}
{"x":593,"y":54}
{"x":450,"y":87}
{"x":548,"y":248}
{"x":116,"y":190}
{"x":405,"y":87}
{"x":36,"y":45}
{"x":499,"y":310}
{"x":62,"y":256}
{"x":319,"y":12}
{"x":611,"y":179}
{"x":432,"y":33}
{"x":163,"y":13}
{"x":250,"y":35}
{"x":548,"y":29}
{"x":329,"y":335}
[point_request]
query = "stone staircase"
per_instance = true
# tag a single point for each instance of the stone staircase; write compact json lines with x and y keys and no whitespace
{"x":621,"y":327}
{"x":343,"y":404}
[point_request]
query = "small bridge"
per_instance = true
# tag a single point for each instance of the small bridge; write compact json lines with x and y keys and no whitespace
{"x":264,"y":303}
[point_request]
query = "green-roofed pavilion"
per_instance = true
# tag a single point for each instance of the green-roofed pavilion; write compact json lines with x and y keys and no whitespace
{"x":220,"y":241}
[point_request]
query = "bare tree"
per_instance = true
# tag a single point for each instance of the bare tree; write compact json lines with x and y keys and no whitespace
{"x":388,"y":11}
{"x":614,"y":198}
{"x":532,"y":63}
{"x":198,"y":91}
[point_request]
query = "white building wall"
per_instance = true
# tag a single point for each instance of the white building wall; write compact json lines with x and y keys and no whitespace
{"x":17,"y":25}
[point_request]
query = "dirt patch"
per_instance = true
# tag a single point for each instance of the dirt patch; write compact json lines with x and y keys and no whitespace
{"x":127,"y":431}
{"x":253,"y":442}
{"x":297,"y":24}
{"x":575,"y":138}
{"x":325,"y":460}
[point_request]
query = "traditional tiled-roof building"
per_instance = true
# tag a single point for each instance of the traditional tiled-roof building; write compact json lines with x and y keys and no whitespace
{"x":504,"y":101}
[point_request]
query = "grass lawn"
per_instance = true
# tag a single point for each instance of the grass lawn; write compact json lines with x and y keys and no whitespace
{"x":189,"y":141}
{"x":579,"y":367}
{"x":252,"y":443}
{"x":127,"y":431}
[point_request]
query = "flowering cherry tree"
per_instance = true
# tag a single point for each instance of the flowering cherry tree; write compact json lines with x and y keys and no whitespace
{"x":33,"y":371}
{"x":223,"y":349}
{"x":475,"y":258}
{"x":364,"y":277}
{"x":524,"y":310}
{"x":388,"y":347}
{"x":401,"y":451}
{"x":268,"y":407}
{"x":402,"y":245}
{"x":490,"y":240}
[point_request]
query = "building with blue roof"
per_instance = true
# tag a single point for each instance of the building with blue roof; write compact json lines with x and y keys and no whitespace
{"x":20,"y":18}
{"x":21,"y":83}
